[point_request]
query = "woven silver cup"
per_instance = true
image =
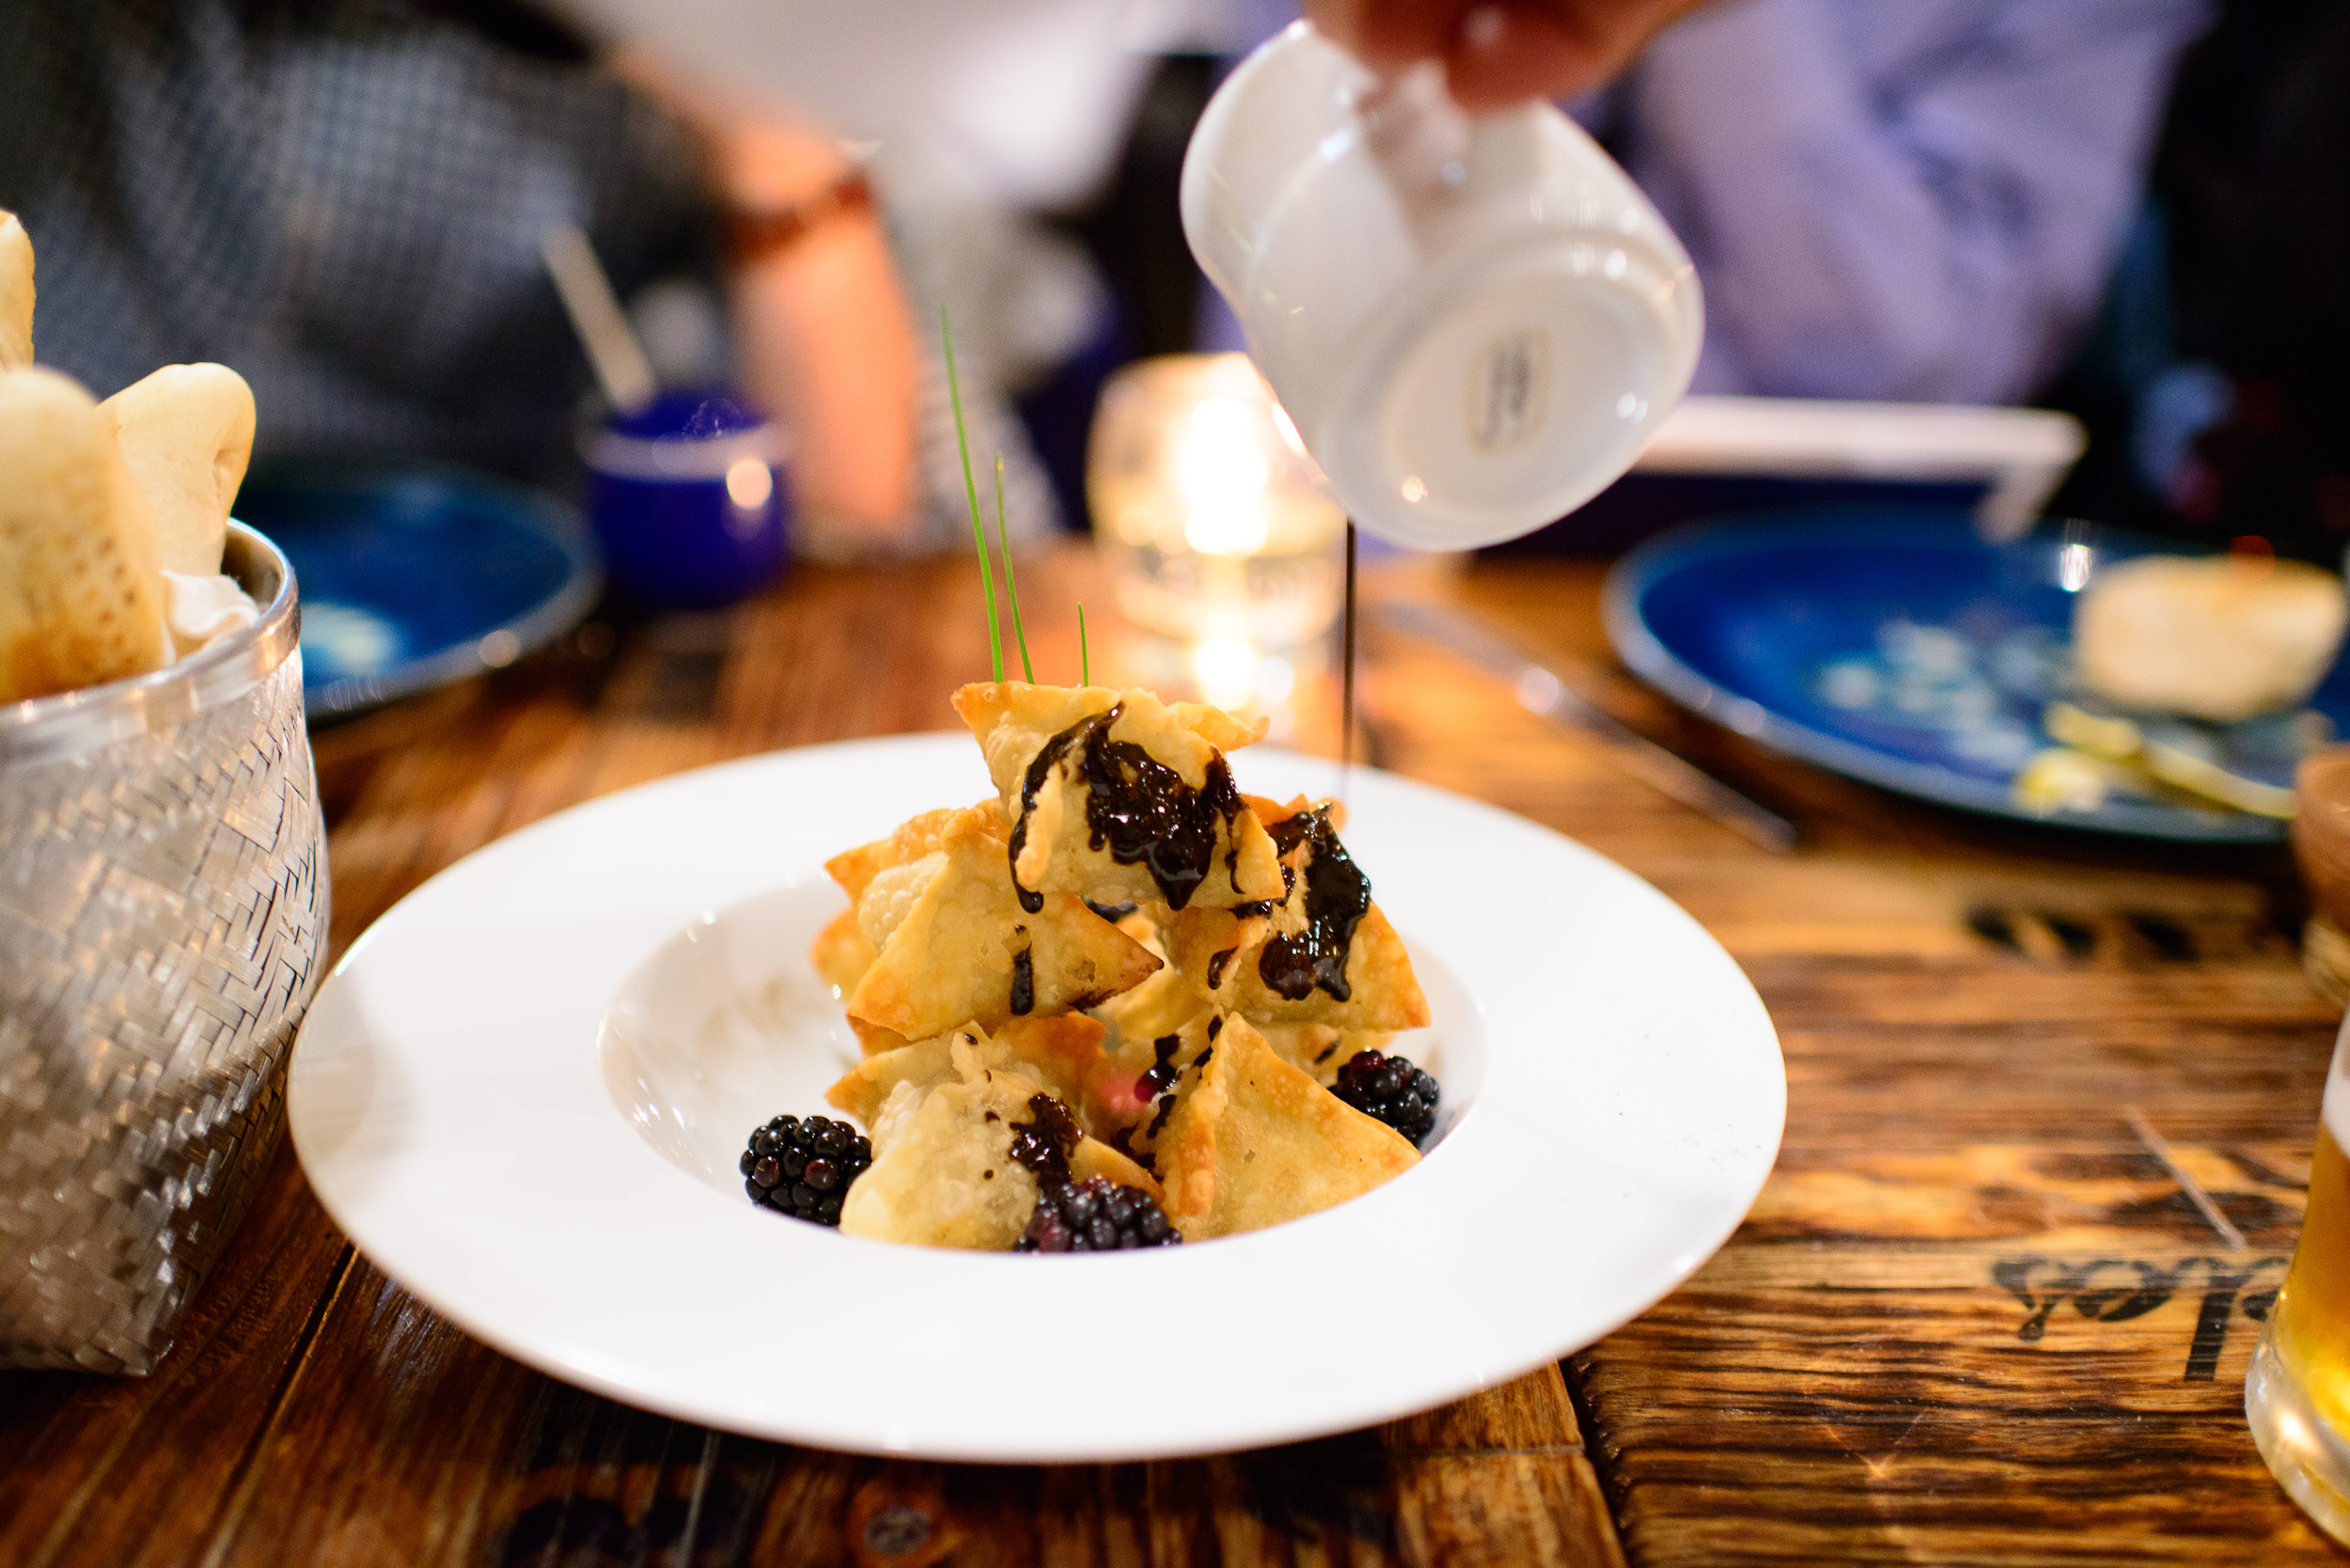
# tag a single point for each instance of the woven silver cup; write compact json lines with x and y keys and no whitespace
{"x":162,"y":909}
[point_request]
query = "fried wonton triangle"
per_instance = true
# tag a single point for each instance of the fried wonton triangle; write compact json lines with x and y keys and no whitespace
{"x":1120,"y":797}
{"x":1318,"y":1050}
{"x":1325,"y":954}
{"x":1254,"y":1142}
{"x":1056,"y":1053}
{"x":841,"y":953}
{"x":945,"y":1170}
{"x":954,"y":943}
{"x":855,"y":870}
{"x":1130,"y":1098}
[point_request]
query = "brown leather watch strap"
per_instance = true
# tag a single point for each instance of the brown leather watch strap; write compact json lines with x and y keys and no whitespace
{"x":754,"y":236}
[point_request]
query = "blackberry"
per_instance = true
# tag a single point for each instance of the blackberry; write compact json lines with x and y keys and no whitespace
{"x":1094,"y":1216}
{"x":1392,"y":1089}
{"x":804,"y":1168}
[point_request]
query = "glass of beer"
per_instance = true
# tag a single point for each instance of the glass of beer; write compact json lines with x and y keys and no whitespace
{"x":2297,"y":1397}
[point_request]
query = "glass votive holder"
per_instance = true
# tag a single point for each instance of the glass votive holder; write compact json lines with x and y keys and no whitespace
{"x":689,"y":499}
{"x":1214,"y":524}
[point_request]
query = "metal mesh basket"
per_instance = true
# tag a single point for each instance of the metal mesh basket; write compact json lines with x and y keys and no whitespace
{"x":162,"y":909}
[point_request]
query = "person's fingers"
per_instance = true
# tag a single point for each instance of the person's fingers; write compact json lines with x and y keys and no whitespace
{"x":1499,"y":51}
{"x":1389,"y":35}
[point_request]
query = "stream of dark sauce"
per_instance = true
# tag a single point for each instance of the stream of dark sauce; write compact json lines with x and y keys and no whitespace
{"x":1336,"y":896}
{"x":1137,"y":807}
{"x":1043,"y":1142}
{"x":1346,"y":667}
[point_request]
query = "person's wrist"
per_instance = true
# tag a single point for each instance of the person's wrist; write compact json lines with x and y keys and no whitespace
{"x":765,"y":168}
{"x":759,"y":231}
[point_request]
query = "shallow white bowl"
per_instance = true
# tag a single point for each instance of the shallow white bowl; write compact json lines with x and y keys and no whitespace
{"x":522,"y":1092}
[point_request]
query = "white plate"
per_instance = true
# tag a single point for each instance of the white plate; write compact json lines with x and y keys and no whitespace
{"x":521,"y":1093}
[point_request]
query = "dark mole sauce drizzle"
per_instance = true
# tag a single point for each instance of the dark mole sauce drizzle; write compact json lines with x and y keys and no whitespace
{"x":1336,"y":896}
{"x":1137,"y":807}
{"x":1156,"y":1080}
{"x":1023,"y":984}
{"x":1166,"y":1108}
{"x":1042,"y":1143}
{"x":1122,"y":1139}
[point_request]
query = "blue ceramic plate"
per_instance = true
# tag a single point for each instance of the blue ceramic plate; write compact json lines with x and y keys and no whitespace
{"x":1892,"y":645}
{"x":415,"y":574}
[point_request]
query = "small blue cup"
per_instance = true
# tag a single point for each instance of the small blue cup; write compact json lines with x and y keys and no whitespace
{"x":688,"y":498}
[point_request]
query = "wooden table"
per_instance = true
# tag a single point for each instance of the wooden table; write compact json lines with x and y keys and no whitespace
{"x":1973,"y":1318}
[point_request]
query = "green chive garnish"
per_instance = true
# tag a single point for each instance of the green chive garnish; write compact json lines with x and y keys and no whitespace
{"x":1085,"y":664}
{"x":1012,"y":585}
{"x":971,"y":491}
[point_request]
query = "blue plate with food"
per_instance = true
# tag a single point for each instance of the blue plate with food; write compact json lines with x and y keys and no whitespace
{"x":2084,"y":677}
{"x":415,"y":574}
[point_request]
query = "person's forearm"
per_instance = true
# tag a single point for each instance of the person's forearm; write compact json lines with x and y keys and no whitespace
{"x":822,"y":328}
{"x":824,"y":342}
{"x":823,"y":338}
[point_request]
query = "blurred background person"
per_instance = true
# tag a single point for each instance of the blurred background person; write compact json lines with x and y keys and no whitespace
{"x":345,"y":201}
{"x":1908,"y":201}
{"x":2217,"y":383}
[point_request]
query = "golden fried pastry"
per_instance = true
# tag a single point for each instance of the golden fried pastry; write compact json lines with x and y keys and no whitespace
{"x":1160,"y":1005}
{"x":186,"y":432}
{"x":1325,"y":954}
{"x":2215,"y":638}
{"x":1253,"y":1142}
{"x":16,"y":294}
{"x":1056,"y":1054}
{"x":956,"y":1163}
{"x":1228,"y":947}
{"x":1120,"y":797}
{"x":80,"y":598}
{"x":1129,"y":1099}
{"x":1318,"y":1050}
{"x":953,"y":942}
{"x":841,"y":953}
{"x":855,"y":870}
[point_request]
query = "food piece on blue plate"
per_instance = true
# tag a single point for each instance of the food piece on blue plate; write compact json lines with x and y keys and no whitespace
{"x":967,"y":1133}
{"x":1120,"y":797}
{"x":1323,"y":953}
{"x":1252,"y":1141}
{"x":2217,"y":638}
{"x":954,"y":943}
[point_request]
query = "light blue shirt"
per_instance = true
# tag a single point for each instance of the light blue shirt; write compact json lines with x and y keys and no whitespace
{"x":1908,"y":199}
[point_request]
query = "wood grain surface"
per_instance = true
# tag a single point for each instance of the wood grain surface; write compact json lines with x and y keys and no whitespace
{"x":1973,"y":1318}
